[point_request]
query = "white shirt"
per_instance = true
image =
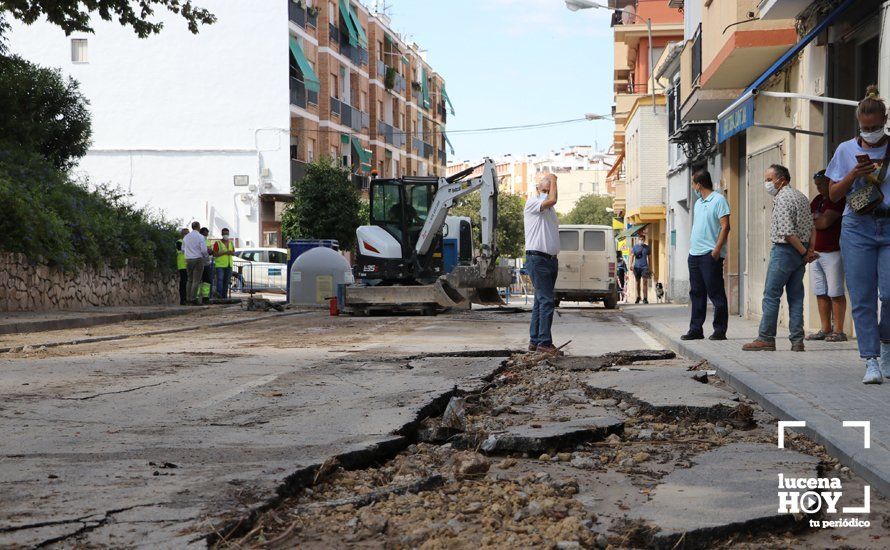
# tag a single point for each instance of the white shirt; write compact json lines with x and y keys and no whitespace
{"x":541,"y":227}
{"x":194,"y":245}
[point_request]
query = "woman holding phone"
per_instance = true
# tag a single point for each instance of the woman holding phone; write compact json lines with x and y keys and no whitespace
{"x":858,"y":171}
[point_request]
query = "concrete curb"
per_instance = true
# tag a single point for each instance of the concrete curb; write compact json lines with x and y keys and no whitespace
{"x":843,"y":445}
{"x":150,"y":333}
{"x":91,"y":321}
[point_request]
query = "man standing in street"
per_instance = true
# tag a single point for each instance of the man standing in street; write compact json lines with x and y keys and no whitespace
{"x":710,"y":230}
{"x":827,"y":272}
{"x":223,"y":251}
{"x":640,"y":262}
{"x":182,"y":267}
{"x":790,"y":232}
{"x":207,"y":274}
{"x":194,"y":246}
{"x":541,"y":248}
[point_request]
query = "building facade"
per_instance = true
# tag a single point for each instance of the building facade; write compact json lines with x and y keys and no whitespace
{"x":216,"y":126}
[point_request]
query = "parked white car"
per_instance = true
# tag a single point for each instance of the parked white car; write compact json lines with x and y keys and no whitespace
{"x":587,"y":259}
{"x":262,"y":269}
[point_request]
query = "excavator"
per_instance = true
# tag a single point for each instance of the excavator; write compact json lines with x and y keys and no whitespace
{"x":399,"y":263}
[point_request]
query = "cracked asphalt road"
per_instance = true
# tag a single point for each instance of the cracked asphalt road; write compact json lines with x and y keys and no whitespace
{"x":158,"y":440}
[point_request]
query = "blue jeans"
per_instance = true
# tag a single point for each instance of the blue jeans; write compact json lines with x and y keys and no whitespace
{"x":542,"y":272}
{"x":785,"y":272}
{"x":706,"y":281}
{"x":223,"y":279}
{"x":865,"y":250}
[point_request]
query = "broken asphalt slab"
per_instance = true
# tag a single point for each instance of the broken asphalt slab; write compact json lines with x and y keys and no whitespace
{"x":544,"y":436}
{"x":728,"y":490}
{"x":666,"y":389}
{"x":619,"y":358}
{"x":242,"y":432}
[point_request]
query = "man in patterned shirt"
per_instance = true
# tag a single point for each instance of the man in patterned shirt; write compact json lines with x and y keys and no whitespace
{"x":790,"y":232}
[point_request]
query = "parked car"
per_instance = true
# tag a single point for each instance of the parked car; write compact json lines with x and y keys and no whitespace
{"x":587,"y":259}
{"x":262,"y":269}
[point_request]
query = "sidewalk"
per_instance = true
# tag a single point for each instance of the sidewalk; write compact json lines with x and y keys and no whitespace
{"x":28,"y":321}
{"x":822,"y":386}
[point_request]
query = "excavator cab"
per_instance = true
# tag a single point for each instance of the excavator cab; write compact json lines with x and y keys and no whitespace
{"x":386,"y":248}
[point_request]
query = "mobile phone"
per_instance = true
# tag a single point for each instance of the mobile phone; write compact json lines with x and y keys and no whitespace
{"x":862,"y":159}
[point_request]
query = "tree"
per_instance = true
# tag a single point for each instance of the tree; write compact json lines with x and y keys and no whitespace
{"x":43,"y":113}
{"x":74,"y":15}
{"x":326,"y":205}
{"x":510,"y":229}
{"x":590,"y":210}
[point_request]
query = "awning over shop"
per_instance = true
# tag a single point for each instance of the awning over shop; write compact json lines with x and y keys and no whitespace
{"x":310,"y":79}
{"x":425,"y":87}
{"x":346,"y":13}
{"x":739,"y":116}
{"x":631,"y":231}
{"x":357,"y":25}
{"x":364,"y":155}
{"x":447,"y":99}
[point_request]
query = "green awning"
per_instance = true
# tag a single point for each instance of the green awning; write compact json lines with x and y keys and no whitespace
{"x":448,"y":141}
{"x":350,"y":25}
{"x":310,"y":79}
{"x":357,"y":24}
{"x":447,"y":99}
{"x":344,"y":139}
{"x":364,"y":155}
{"x":425,"y":87}
{"x":631,"y":231}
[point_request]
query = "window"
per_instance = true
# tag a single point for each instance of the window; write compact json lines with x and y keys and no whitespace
{"x":335,"y":86}
{"x":568,"y":241}
{"x":421,"y":198}
{"x":248,"y":255}
{"x":594,"y":241}
{"x":387,"y":206}
{"x":275,"y":256}
{"x":79,"y":50}
{"x":310,"y":150}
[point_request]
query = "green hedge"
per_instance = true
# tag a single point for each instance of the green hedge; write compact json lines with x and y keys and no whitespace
{"x":56,"y":221}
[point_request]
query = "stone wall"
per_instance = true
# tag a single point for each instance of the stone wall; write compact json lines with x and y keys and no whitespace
{"x":27,"y":287}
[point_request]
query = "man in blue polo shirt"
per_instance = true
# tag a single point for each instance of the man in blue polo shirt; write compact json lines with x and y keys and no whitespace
{"x":710,"y":230}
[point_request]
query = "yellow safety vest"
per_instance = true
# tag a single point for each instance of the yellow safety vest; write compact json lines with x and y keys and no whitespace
{"x":180,"y":256}
{"x":224,"y":261}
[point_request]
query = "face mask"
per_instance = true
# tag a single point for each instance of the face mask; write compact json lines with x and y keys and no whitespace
{"x":697,"y":193}
{"x":770,"y":188}
{"x":872,"y":137}
{"x":225,"y":237}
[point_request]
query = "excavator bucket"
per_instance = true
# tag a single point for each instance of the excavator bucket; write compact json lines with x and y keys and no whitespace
{"x":482,"y":287}
{"x":432,"y":297}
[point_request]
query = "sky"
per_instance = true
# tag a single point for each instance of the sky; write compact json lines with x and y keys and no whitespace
{"x":515,"y":62}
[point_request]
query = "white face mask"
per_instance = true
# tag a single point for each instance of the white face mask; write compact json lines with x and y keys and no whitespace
{"x":770,"y":188}
{"x":872,"y":137}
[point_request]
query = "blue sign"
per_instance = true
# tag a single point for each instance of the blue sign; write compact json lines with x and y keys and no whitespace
{"x":738,"y":120}
{"x":274,"y":272}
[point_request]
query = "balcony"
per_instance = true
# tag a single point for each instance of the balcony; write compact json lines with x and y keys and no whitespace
{"x":297,"y":170}
{"x":442,"y":158}
{"x":362,"y":183}
{"x":443,"y":112}
{"x":398,"y":83}
{"x":427,"y":150}
{"x":356,"y":54}
{"x":301,"y":15}
{"x":300,"y":96}
{"x":696,"y":57}
{"x":349,"y":115}
{"x":391,"y":135}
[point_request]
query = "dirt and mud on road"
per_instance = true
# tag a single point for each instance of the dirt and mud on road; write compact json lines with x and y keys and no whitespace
{"x":627,"y":450}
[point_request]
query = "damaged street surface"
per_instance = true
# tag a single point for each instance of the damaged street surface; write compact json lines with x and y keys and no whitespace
{"x":282,"y":430}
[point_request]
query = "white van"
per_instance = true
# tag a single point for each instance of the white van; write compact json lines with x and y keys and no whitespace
{"x":587,"y":259}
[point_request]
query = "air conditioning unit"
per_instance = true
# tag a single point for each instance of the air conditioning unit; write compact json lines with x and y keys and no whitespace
{"x":266,"y":173}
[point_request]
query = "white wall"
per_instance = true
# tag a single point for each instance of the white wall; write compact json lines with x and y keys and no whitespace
{"x":177,"y":115}
{"x":646,"y":157}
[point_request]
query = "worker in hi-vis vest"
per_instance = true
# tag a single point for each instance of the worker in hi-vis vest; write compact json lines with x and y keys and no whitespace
{"x":223,"y":252}
{"x":181,"y":267}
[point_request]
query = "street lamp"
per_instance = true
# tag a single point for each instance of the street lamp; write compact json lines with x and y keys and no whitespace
{"x":575,"y":5}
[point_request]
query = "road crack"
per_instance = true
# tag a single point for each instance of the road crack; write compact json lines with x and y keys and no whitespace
{"x":111,"y":392}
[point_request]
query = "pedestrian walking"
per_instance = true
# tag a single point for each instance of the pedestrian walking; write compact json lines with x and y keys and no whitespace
{"x":827,"y":272}
{"x":182,"y":267}
{"x":207,"y":274}
{"x":790,"y":233}
{"x":707,"y":250}
{"x":640,"y":263}
{"x":194,"y":247}
{"x":541,"y":249}
{"x":859,"y":172}
{"x":223,"y":252}
{"x":621,"y":273}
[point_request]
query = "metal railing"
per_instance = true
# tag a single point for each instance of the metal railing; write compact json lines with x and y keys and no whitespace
{"x":356,"y":54}
{"x":300,"y":96}
{"x":335,"y":106}
{"x":301,"y":16}
{"x":443,"y":112}
{"x":400,"y":84}
{"x":442,"y":158}
{"x":297,"y":170}
{"x":387,"y":131}
{"x":427,"y":150}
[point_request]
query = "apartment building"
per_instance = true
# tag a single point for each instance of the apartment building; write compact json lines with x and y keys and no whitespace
{"x":640,"y":113}
{"x":215,"y":126}
{"x":778,"y":87}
